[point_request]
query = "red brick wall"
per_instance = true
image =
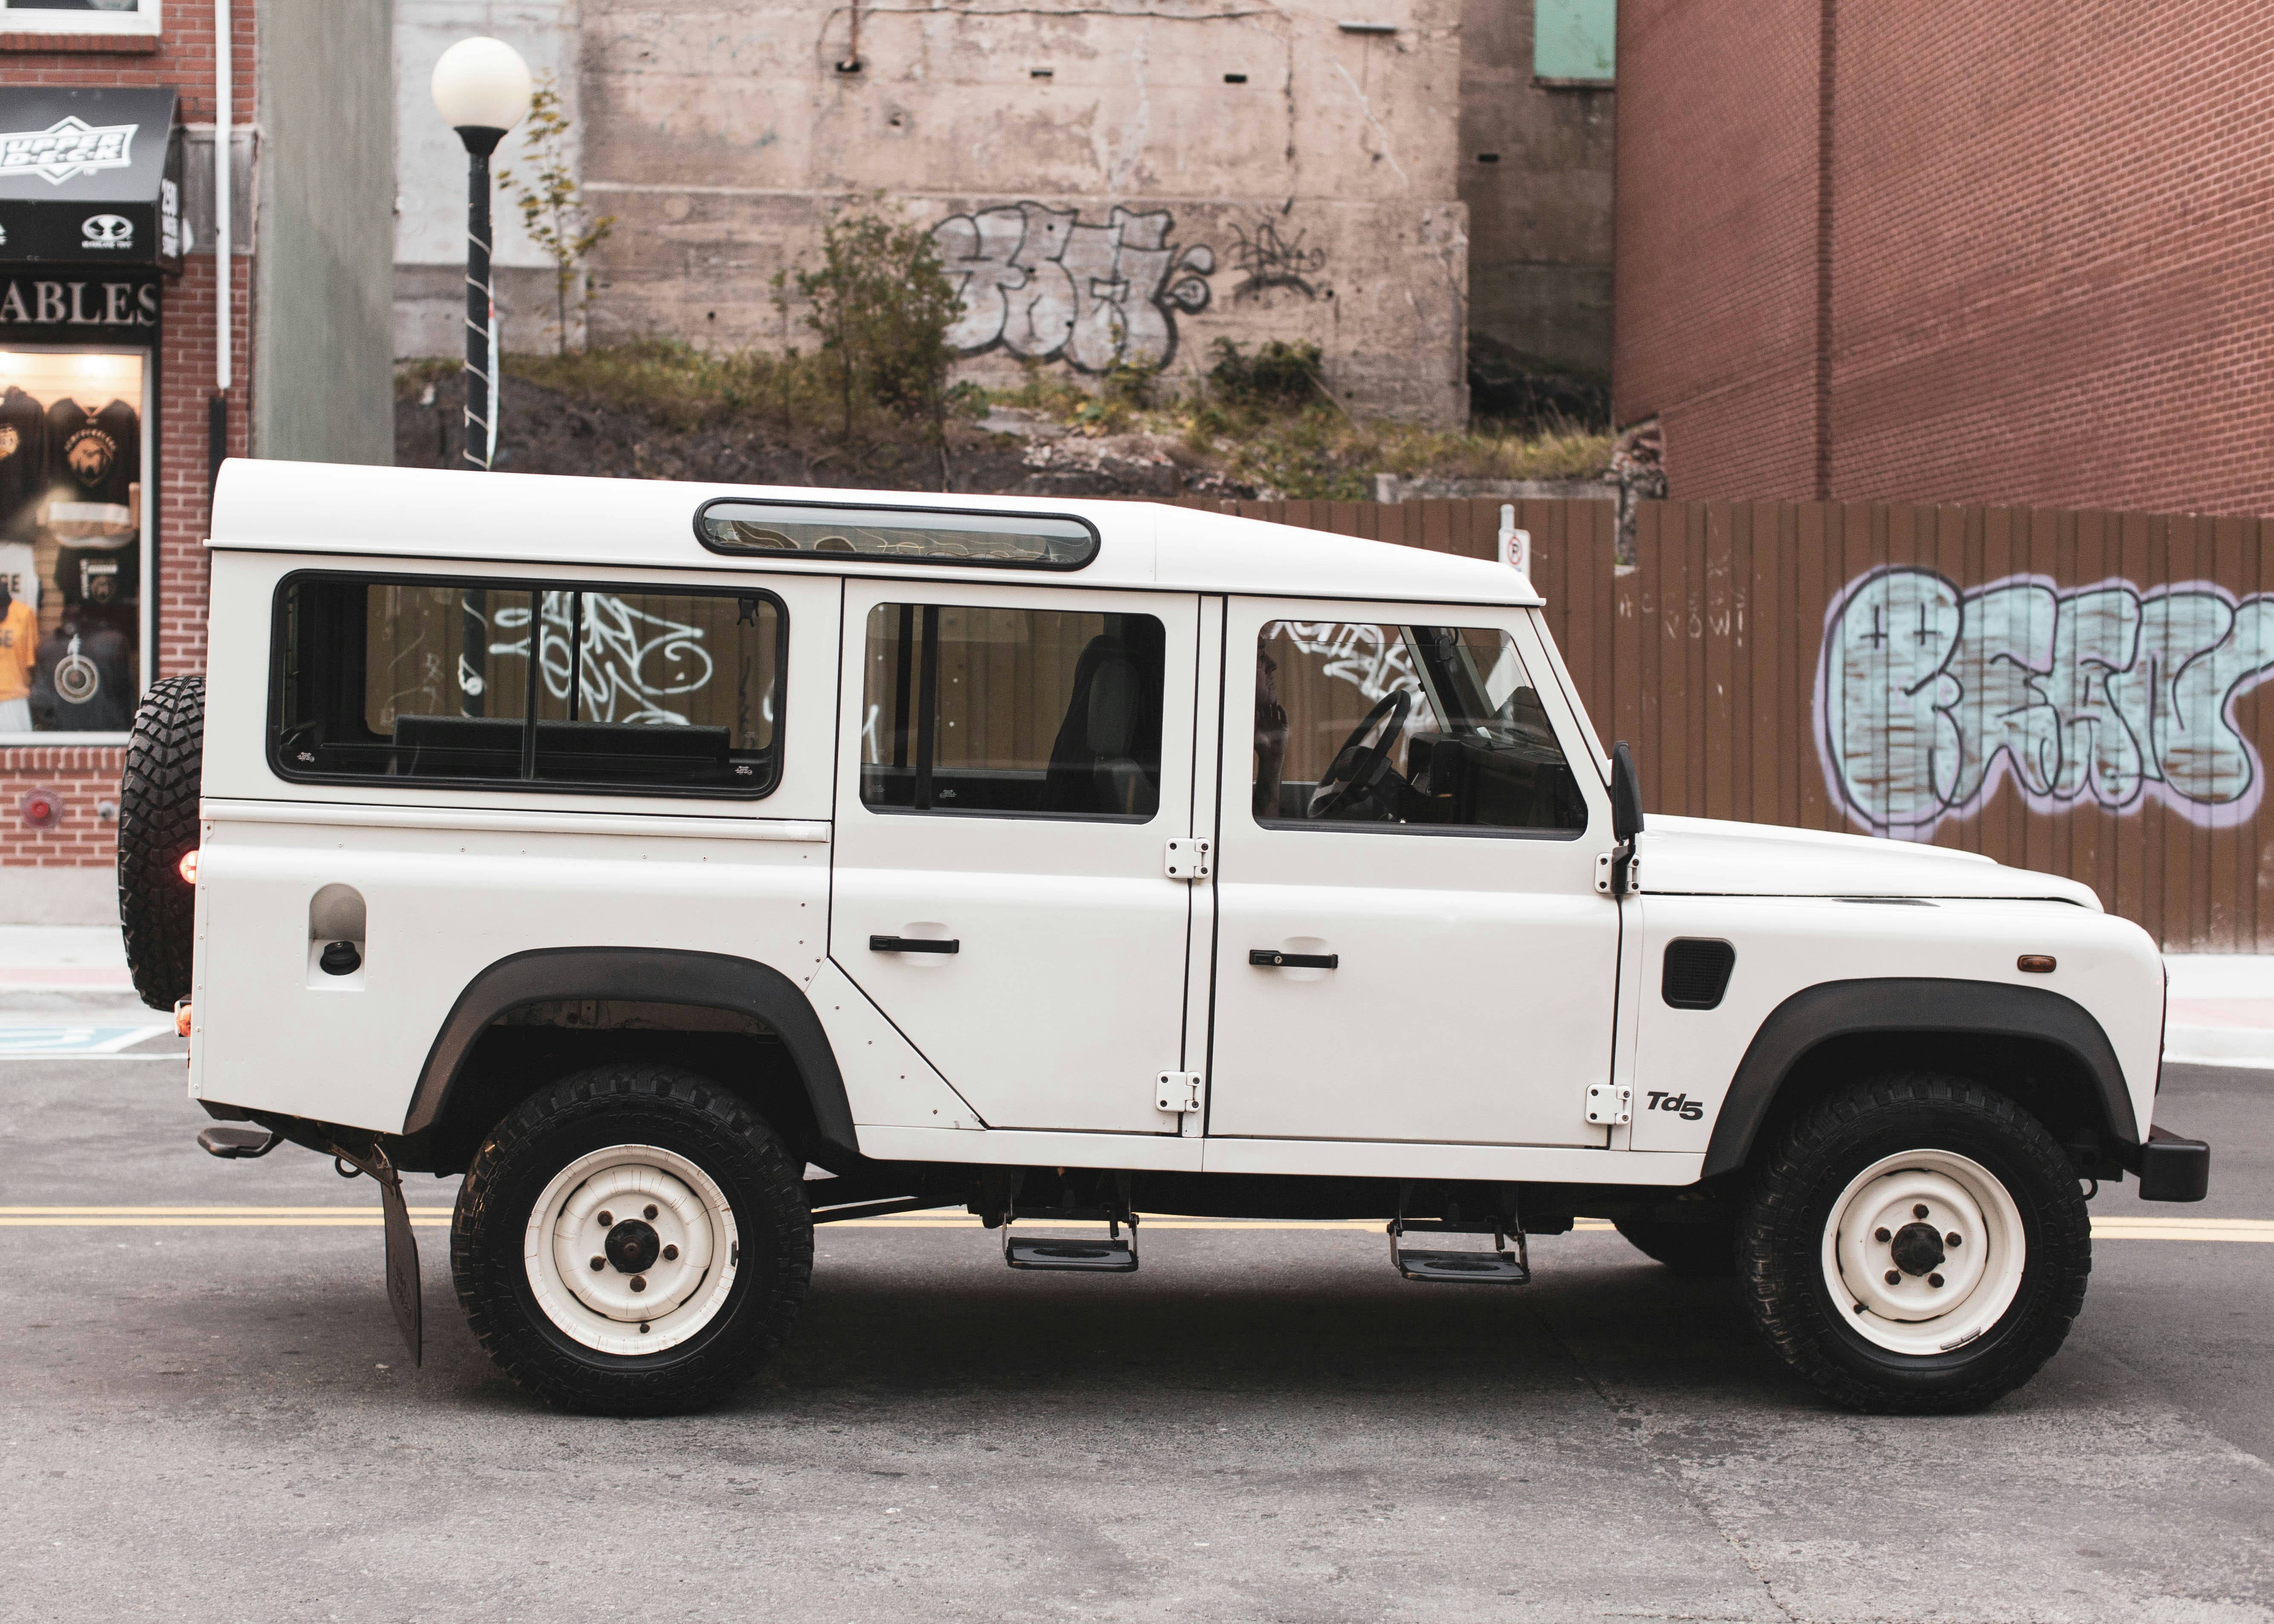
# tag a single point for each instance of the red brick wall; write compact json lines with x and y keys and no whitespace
{"x":182,"y":58}
{"x":1715,"y":328}
{"x":83,"y":777}
{"x":2049,"y":238}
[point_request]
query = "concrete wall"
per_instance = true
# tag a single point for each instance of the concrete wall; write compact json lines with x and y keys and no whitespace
{"x":1104,"y":193}
{"x":323,"y":378}
{"x":430,"y":176}
{"x":1535,"y":170}
{"x":1101,"y":190}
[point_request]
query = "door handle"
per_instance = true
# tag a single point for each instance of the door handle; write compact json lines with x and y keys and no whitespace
{"x":912,"y":944}
{"x":1271,"y":958}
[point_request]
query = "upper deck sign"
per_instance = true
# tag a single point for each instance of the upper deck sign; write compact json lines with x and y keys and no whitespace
{"x":70,"y":147}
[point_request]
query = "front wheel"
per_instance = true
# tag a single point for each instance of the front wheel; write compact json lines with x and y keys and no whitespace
{"x":1918,"y":1244}
{"x":631,"y":1241}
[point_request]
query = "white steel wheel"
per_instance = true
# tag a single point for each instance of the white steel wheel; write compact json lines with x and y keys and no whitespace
{"x":1925,"y":1250}
{"x":631,"y":1249}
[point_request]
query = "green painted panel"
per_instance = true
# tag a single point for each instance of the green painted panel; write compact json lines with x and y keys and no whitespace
{"x":1574,"y":38}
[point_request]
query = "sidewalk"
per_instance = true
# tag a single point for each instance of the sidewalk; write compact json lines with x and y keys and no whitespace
{"x":2222,"y":1007}
{"x":64,"y":991}
{"x":62,"y":958}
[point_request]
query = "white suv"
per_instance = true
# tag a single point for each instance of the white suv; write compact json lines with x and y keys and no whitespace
{"x":688,"y":866}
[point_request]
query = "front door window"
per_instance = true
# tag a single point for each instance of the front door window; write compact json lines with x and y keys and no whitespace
{"x":1363,"y":724}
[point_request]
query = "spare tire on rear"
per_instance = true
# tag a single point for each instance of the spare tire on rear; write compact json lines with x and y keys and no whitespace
{"x":157,"y":828}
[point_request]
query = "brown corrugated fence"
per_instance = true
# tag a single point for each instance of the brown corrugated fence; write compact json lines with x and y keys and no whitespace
{"x":2070,"y":691}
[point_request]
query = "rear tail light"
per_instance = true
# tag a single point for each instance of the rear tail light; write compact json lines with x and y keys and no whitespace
{"x":189,"y":867}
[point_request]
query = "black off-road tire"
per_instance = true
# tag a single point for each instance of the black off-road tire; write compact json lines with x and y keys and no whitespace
{"x":157,"y":828}
{"x":1706,"y":1251}
{"x":1781,"y":1238}
{"x":632,"y":1104}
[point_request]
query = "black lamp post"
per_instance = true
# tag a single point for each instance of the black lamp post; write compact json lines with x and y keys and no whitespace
{"x":482,"y":90}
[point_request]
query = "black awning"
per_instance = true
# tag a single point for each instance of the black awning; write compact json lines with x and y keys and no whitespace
{"x":90,"y":177}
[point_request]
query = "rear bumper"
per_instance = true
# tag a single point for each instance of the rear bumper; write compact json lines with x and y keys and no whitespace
{"x":2169,"y":1168}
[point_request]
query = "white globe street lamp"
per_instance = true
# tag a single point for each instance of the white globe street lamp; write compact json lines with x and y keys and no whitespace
{"x":482,"y":90}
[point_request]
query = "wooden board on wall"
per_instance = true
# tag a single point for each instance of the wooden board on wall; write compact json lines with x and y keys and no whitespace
{"x":2121,"y":653}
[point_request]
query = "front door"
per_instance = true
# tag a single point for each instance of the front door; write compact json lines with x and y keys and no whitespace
{"x":1011,"y":765}
{"x":1410,"y":944}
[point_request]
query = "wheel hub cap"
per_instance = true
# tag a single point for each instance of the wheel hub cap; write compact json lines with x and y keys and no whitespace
{"x":633,"y":1245}
{"x":1917,"y":1248}
{"x":631,"y":1250}
{"x":1923,"y":1252}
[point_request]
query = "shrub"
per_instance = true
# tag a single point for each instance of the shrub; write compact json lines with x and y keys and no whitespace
{"x":882,"y":304}
{"x":1278,"y":374}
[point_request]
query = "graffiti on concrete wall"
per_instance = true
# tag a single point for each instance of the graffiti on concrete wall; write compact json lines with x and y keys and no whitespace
{"x":1039,"y":282}
{"x":2109,"y":696}
{"x":1265,"y":260}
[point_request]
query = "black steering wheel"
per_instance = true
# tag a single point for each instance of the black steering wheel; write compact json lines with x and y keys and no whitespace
{"x":1359,"y":768}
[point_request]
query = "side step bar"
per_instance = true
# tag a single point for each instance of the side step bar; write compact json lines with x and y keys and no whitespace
{"x":1499,"y":1266}
{"x":1109,"y":1255}
{"x":1112,"y":1255}
{"x":234,"y":1144}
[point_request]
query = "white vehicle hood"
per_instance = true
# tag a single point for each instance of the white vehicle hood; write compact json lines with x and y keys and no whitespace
{"x":1700,"y":856}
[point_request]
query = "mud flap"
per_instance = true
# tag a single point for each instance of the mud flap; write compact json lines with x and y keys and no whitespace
{"x":402,"y":1294}
{"x":402,"y":1260}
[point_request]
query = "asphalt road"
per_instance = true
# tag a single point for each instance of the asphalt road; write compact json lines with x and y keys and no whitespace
{"x":218,"y":1422}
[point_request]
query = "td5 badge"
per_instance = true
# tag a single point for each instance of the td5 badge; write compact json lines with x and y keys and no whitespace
{"x":1681,"y":1104}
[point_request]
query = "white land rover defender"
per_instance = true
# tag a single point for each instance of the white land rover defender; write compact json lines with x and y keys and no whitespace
{"x":641,"y":850}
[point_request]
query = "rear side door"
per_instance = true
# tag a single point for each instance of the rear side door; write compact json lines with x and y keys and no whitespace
{"x":1410,"y":944}
{"x":1010,"y":764}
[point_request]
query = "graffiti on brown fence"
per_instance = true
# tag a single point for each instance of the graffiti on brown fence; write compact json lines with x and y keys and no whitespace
{"x":2110,"y":696}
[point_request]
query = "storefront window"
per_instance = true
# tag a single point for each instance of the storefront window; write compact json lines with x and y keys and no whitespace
{"x":74,"y":549}
{"x":83,"y":16}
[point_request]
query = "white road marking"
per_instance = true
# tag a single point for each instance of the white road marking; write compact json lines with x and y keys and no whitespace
{"x":80,"y":1039}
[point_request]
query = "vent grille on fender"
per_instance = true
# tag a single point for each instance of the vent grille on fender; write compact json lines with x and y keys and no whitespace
{"x":1696,"y":972}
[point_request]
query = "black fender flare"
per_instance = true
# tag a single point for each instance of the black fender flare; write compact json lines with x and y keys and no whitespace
{"x":644,"y":975}
{"x":1901,"y":1005}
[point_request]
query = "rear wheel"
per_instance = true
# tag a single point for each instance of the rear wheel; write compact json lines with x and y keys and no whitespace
{"x":632,"y":1241}
{"x":1916,"y":1243}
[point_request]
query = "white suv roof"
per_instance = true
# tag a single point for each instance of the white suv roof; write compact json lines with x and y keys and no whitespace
{"x":544,"y":519}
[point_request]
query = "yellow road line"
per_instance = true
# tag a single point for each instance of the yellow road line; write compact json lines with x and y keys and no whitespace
{"x":2129,"y":1228}
{"x":211,"y":1212}
{"x":345,"y":1221}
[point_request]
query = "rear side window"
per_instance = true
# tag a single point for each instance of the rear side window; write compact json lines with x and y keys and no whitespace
{"x":630,"y":690}
{"x":1033,"y":712}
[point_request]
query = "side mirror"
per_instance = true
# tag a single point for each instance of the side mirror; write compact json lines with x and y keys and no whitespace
{"x":1626,"y":795}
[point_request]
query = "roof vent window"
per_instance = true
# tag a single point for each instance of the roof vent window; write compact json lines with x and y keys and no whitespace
{"x":1002,"y":540}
